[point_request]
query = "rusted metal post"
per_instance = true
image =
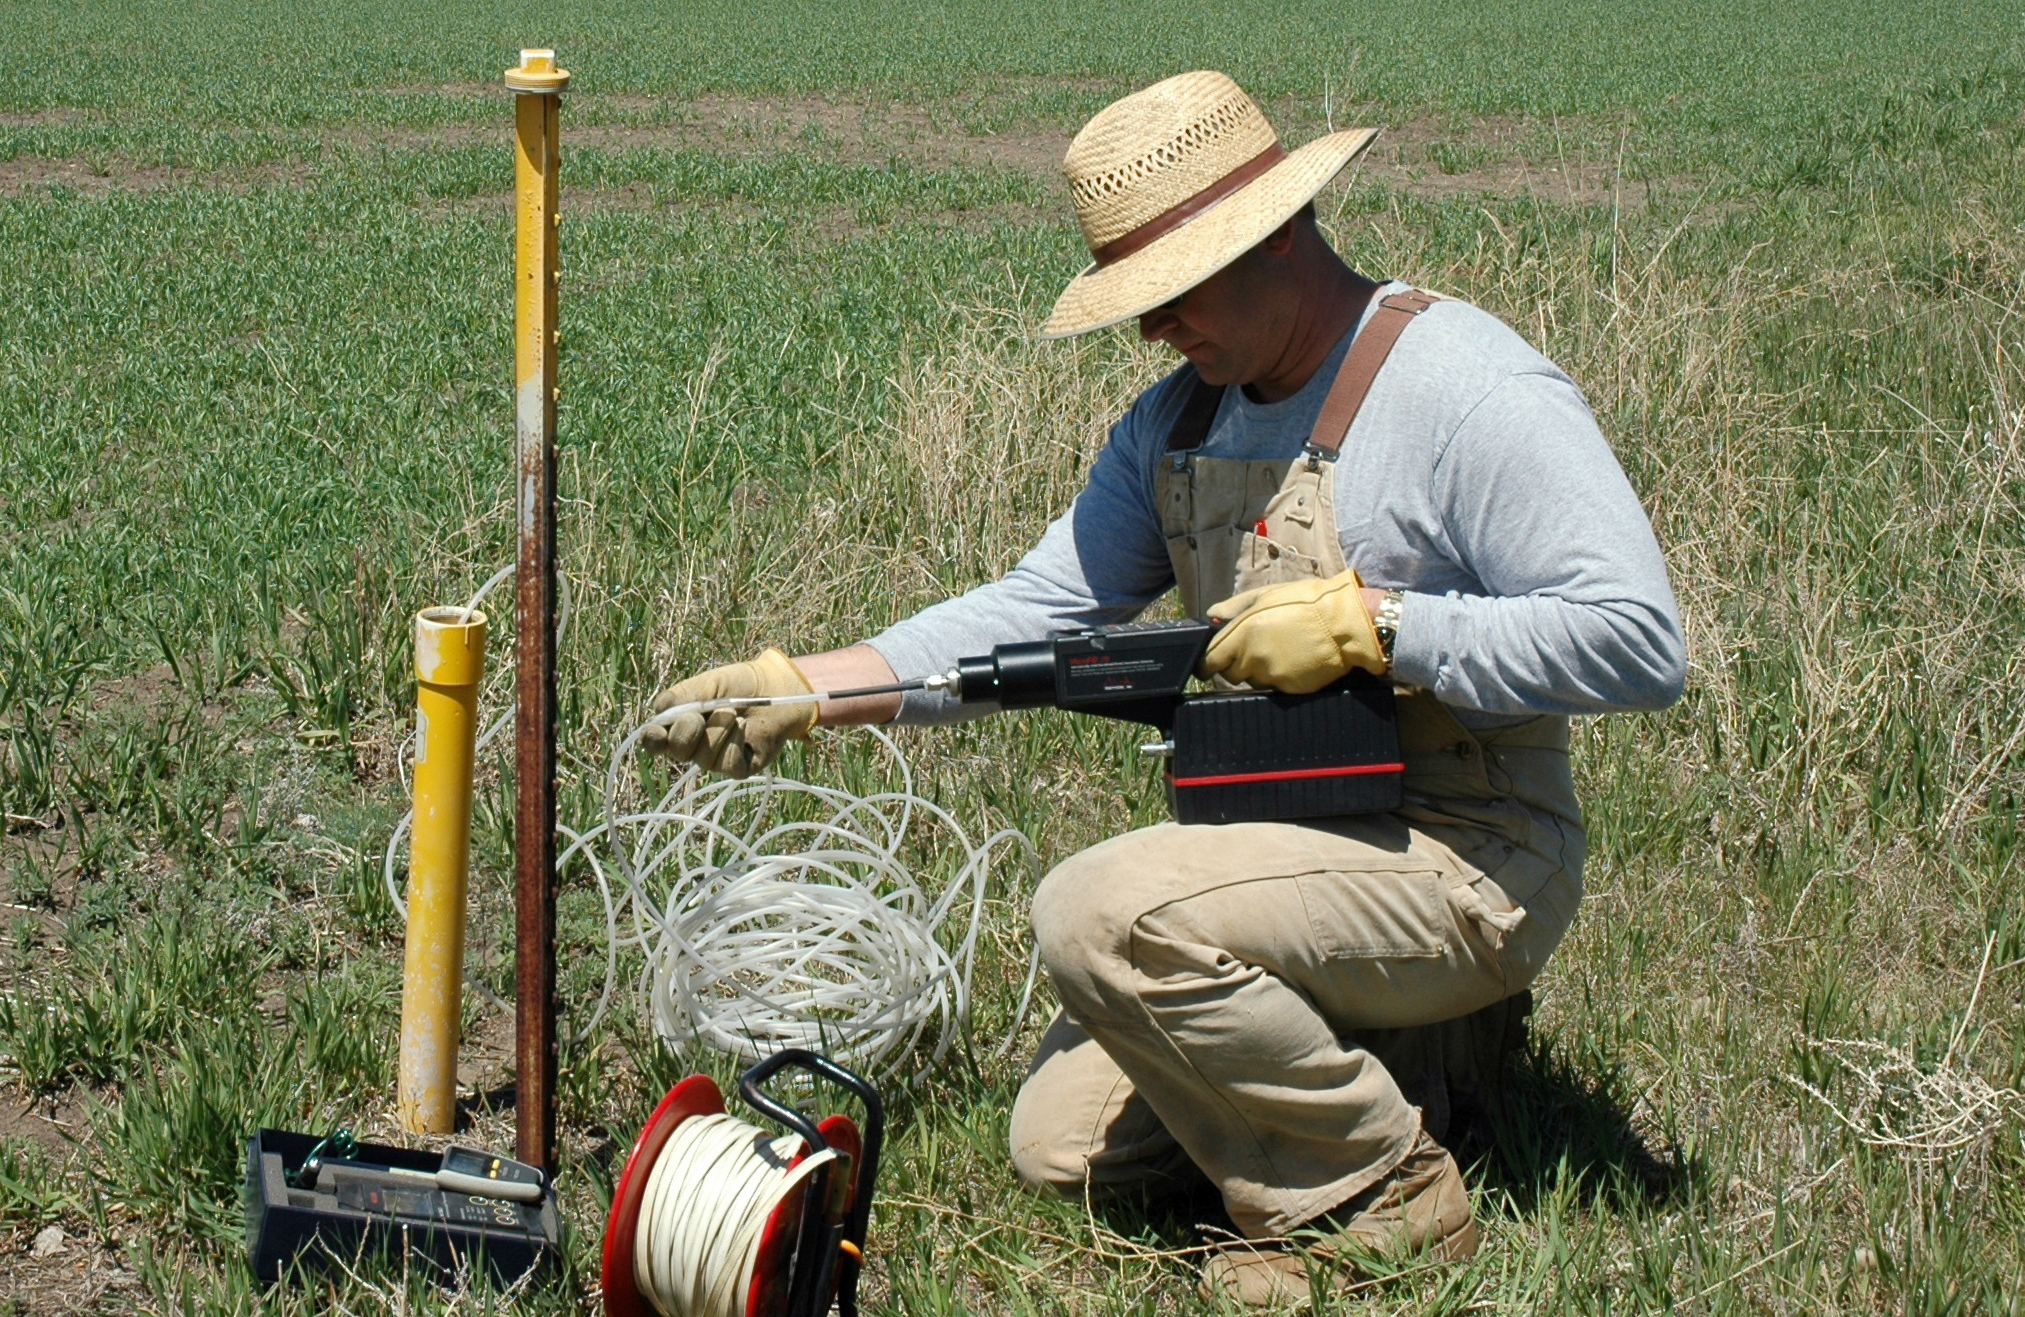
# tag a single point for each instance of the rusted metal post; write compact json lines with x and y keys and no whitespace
{"x":537,"y":85}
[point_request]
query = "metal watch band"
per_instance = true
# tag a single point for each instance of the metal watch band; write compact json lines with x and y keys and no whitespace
{"x":1386,"y":621}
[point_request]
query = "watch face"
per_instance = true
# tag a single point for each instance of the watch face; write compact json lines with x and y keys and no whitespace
{"x":1386,"y":623}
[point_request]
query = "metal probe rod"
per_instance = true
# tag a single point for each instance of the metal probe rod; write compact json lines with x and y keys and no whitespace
{"x":537,"y":85}
{"x":938,"y":682}
{"x":891,"y":688}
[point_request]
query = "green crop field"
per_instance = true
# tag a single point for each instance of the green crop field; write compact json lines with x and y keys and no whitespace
{"x":256,"y":410}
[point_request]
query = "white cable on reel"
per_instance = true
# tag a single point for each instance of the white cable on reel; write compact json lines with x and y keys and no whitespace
{"x":772,"y":913}
{"x":707,"y":1201}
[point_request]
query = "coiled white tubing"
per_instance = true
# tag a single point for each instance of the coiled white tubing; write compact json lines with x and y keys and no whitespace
{"x":707,"y":1200}
{"x":792,"y":921}
{"x":773,"y":913}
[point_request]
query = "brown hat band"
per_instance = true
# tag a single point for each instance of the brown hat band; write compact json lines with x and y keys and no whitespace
{"x":1173,"y":218}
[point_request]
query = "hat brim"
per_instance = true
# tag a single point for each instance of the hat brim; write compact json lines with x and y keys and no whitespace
{"x":1173,"y":263}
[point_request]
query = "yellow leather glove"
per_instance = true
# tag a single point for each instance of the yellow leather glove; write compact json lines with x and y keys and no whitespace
{"x":735,"y":742}
{"x":1296,"y":637}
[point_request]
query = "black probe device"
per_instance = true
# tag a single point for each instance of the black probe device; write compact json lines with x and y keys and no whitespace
{"x":1232,"y":756}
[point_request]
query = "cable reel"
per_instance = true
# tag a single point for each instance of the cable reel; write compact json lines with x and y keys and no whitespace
{"x":713,"y":1217}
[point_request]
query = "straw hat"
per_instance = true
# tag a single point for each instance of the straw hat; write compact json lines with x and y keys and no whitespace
{"x":1175,"y":182}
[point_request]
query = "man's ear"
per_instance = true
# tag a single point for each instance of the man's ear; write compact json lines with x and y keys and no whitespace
{"x":1281,"y":240}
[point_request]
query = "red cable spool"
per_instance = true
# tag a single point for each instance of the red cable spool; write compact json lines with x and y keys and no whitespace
{"x":780,"y":1264}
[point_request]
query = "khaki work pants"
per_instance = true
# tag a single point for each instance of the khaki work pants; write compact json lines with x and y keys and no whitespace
{"x":1213,"y":980}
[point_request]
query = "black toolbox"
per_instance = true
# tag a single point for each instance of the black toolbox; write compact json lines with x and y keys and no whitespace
{"x":400,"y":1215}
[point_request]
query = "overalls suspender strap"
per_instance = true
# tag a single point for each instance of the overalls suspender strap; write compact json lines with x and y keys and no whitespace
{"x":1368,"y":352}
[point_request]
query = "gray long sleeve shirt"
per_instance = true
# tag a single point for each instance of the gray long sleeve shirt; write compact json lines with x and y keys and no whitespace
{"x":1474,"y":479}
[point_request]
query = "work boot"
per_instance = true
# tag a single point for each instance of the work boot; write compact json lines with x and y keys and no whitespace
{"x":1420,"y":1210}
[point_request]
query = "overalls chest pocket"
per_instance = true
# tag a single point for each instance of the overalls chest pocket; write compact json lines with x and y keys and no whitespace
{"x":1233,"y":526}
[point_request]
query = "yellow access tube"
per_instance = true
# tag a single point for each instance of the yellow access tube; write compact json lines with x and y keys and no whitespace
{"x":449,"y":660}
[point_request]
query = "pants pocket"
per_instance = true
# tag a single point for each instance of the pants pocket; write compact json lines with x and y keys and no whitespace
{"x":1373,"y":914}
{"x":1519,"y":910}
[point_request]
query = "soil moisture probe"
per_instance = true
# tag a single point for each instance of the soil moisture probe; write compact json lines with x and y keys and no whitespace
{"x":1234,"y":756}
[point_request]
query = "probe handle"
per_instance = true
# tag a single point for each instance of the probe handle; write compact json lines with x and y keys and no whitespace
{"x":1136,"y":671}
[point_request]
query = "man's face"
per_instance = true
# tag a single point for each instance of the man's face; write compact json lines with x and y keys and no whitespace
{"x":1224,"y":325}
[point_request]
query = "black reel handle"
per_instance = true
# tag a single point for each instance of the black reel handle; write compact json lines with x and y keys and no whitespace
{"x":818,"y":1247}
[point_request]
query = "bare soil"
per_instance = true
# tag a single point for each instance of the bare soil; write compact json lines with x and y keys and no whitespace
{"x":851,"y":132}
{"x":32,"y":172}
{"x":1500,"y":156}
{"x":113,"y":174}
{"x":50,"y":1121}
{"x":1564,"y":162}
{"x":829,"y":222}
{"x":875,"y":133}
{"x":78,"y":1277}
{"x":71,"y":1275}
{"x":55,"y":116}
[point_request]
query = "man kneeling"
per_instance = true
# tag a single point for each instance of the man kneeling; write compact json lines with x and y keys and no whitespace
{"x":1355,"y":474}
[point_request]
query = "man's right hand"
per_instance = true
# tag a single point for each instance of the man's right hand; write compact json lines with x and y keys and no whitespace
{"x":735,"y":742}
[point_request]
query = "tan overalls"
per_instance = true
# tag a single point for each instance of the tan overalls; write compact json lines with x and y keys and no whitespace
{"x":1247,"y":1000}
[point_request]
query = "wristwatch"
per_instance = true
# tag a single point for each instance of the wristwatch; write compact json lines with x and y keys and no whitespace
{"x":1386,"y":622}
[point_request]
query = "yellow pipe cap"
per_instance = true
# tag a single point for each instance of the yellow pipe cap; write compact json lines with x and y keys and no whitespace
{"x":537,"y":72}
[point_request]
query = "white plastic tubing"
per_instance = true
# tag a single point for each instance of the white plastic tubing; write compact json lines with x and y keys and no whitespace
{"x":772,"y":913}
